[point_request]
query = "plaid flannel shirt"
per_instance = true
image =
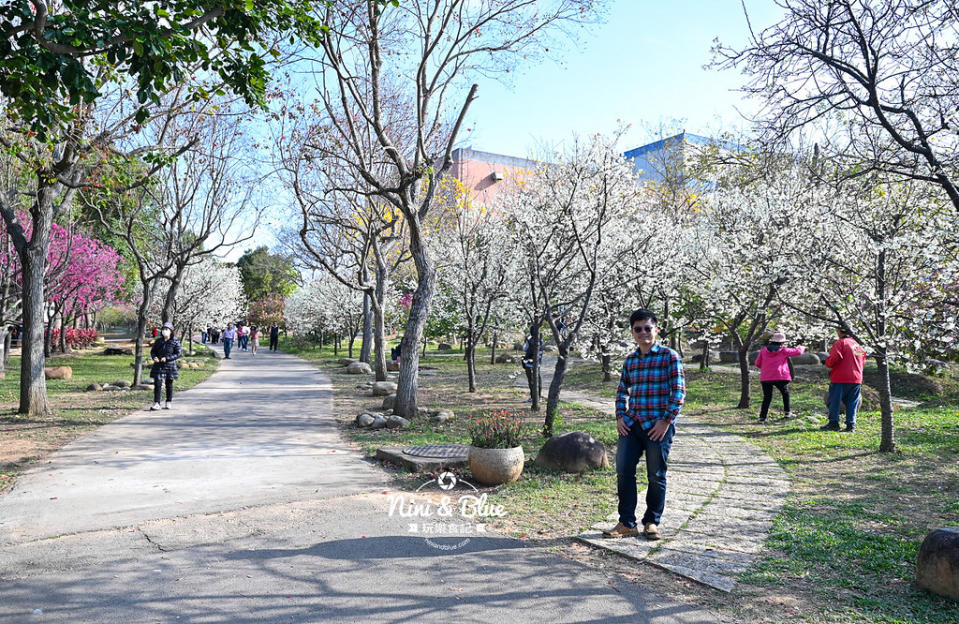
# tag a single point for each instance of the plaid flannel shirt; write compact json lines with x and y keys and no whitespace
{"x":651,"y":387}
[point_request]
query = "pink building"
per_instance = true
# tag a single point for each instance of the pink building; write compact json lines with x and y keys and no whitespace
{"x":486,"y":174}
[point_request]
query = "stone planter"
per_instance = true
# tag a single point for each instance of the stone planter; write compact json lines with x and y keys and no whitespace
{"x":496,"y":466}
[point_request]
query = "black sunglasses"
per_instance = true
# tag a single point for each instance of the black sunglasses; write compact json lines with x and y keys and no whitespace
{"x":648,"y":329}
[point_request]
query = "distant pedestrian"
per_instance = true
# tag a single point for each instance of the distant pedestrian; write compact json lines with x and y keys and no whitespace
{"x":846,"y":360}
{"x":274,"y":336}
{"x":773,"y":364}
{"x":204,"y":335}
{"x":164,"y":352}
{"x":651,"y":392}
{"x":397,"y":351}
{"x":254,"y":339}
{"x":229,"y":335}
{"x":243,"y":333}
{"x":533,"y":349}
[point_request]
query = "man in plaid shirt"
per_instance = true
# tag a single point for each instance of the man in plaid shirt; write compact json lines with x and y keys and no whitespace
{"x":651,"y":392}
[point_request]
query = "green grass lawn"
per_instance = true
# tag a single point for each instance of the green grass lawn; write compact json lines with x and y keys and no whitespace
{"x":842,"y":550}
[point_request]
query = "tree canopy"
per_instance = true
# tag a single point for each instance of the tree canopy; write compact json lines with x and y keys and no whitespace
{"x":266,"y":274}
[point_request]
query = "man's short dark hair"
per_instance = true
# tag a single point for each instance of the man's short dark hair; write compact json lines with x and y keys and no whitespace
{"x":642,"y":315}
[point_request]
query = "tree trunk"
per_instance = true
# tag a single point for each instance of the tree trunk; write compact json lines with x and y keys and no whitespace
{"x":704,"y":363}
{"x":405,"y":404}
{"x":64,"y":347}
{"x":492,"y":355}
{"x":552,"y":400}
{"x":607,"y":362}
{"x":189,"y":334}
{"x":352,"y":340}
{"x":741,"y":351}
{"x":379,"y":338}
{"x":33,"y":383}
{"x":4,"y":349}
{"x":887,"y":442}
{"x":367,"y":347}
{"x":141,"y":333}
{"x":48,"y":335}
{"x":469,"y":353}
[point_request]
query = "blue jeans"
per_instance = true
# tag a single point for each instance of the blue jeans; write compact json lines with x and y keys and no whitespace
{"x":628,"y":452}
{"x":227,"y":346}
{"x":848,"y":394}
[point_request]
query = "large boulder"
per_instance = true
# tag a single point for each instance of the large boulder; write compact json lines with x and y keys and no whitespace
{"x":388,"y":401}
{"x":550,"y":349}
{"x":359,"y":368}
{"x":347,"y":361}
{"x":58,"y":372}
{"x":444,"y":346}
{"x":117,"y":351}
{"x":728,"y":357}
{"x":805,"y":359}
{"x":397,"y":422}
{"x":392,"y":365}
{"x":869,"y":401}
{"x":506,"y":358}
{"x":442,"y":415}
{"x":822,"y":355}
{"x":364,"y":420}
{"x":937,"y":568}
{"x":383,"y":388}
{"x":379,"y":421}
{"x":576,"y":451}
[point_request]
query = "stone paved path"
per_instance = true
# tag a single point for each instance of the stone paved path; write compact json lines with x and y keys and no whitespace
{"x":722,"y":498}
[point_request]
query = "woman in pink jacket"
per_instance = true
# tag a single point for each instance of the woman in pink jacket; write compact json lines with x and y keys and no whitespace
{"x":774,"y":371}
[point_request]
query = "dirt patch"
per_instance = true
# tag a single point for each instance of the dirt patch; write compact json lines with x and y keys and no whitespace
{"x":13,"y":450}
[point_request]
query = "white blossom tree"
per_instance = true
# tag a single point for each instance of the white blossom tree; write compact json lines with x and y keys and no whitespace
{"x":883,"y":260}
{"x":475,"y":267}
{"x":392,"y":75}
{"x":571,"y":222}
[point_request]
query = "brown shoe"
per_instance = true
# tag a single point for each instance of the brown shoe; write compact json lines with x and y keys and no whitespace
{"x":621,"y":530}
{"x":651,"y":532}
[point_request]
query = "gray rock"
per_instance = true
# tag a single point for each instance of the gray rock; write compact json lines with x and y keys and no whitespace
{"x":822,"y":355}
{"x":94,"y":387}
{"x":364,"y":420}
{"x":379,"y":421}
{"x":142,"y":387}
{"x":388,"y":401}
{"x":384,"y":388}
{"x":937,"y":567}
{"x":550,"y":349}
{"x":397,"y":422}
{"x":359,"y":368}
{"x":117,"y":351}
{"x":444,"y":346}
{"x":121,"y":383}
{"x":392,"y":365}
{"x":728,"y":357}
{"x":576,"y":451}
{"x":506,"y":358}
{"x":806,"y":359}
{"x":442,"y":415}
{"x":109,"y":388}
{"x":347,"y":361}
{"x":422,"y":412}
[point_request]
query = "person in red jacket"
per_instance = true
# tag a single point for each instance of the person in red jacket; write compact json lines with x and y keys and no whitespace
{"x":845,"y":361}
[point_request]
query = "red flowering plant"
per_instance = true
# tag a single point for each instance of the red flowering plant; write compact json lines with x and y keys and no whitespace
{"x":498,"y":429}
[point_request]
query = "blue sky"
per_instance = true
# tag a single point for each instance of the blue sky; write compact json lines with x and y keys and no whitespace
{"x":644,"y":66}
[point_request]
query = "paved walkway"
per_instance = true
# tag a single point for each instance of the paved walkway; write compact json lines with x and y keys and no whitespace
{"x":242,"y":505}
{"x":722,"y":497}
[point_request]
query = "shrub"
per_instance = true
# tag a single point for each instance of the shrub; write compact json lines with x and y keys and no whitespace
{"x":495,"y":430}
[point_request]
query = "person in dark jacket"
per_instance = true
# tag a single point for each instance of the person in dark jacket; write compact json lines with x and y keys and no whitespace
{"x":165,"y":352}
{"x":274,"y":336}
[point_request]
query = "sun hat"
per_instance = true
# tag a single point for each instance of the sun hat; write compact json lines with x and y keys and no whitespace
{"x":777,"y":337}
